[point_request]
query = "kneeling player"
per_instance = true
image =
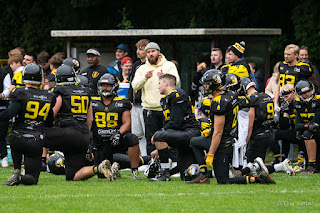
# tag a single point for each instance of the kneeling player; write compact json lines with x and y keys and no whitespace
{"x":111,"y":127}
{"x":223,"y":113}
{"x":180,"y":127}
{"x":70,"y":134}
{"x":307,"y":121}
{"x":34,"y":110}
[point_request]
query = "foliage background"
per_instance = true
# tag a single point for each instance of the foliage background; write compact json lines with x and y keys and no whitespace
{"x":27,"y":23}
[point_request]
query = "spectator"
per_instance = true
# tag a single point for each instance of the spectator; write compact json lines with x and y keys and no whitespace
{"x":5,"y":83}
{"x":95,"y":70}
{"x":134,"y":96}
{"x":29,"y":58}
{"x":147,"y":79}
{"x":126,"y":67}
{"x":304,"y":57}
{"x":15,"y":63}
{"x":121,"y":52}
{"x":258,"y":75}
{"x":43,"y":61}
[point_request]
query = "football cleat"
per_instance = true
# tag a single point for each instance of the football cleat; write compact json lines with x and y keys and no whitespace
{"x":309,"y":170}
{"x":287,"y":167}
{"x":135,"y":175}
{"x":200,"y":179}
{"x":163,"y":176}
{"x":265,"y":178}
{"x":14,"y":179}
{"x":115,"y":170}
{"x":153,"y":169}
{"x":105,"y":169}
{"x":298,"y":169}
{"x":259,"y":161}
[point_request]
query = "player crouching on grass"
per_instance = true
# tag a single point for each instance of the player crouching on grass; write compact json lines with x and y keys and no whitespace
{"x":180,"y":126}
{"x":111,"y":126}
{"x":33,"y":108}
{"x":224,"y":116}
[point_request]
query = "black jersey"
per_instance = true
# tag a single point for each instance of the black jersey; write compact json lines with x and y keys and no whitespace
{"x":107,"y":119}
{"x":243,"y":102}
{"x":178,"y":111}
{"x":94,"y":74}
{"x":292,"y":75}
{"x":226,"y":104}
{"x":34,"y":111}
{"x":264,"y":111}
{"x":75,"y":102}
{"x":307,"y":112}
{"x":291,"y":111}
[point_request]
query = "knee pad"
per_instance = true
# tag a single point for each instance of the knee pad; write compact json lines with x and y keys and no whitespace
{"x":131,"y":139}
{"x":28,"y":180}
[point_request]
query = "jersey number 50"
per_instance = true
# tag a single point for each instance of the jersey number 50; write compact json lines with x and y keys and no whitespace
{"x":79,"y":104}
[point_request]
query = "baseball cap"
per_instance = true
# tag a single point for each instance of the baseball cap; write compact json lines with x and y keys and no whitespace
{"x":122,"y":47}
{"x":92,"y":51}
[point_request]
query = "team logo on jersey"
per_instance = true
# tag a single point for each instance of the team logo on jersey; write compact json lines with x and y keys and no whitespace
{"x":106,"y":109}
{"x":296,"y":69}
{"x":287,"y":71}
{"x":95,"y":74}
{"x":313,"y":105}
{"x":94,"y":104}
{"x":281,"y":68}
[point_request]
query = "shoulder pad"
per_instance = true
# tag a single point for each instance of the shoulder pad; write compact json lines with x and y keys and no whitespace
{"x":96,"y":98}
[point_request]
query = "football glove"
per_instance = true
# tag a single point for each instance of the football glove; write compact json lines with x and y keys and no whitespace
{"x":313,"y":127}
{"x":206,"y":133}
{"x":307,"y":135}
{"x":209,"y":160}
{"x":115,"y":138}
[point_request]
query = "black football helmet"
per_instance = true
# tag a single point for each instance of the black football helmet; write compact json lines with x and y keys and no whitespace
{"x":305,"y":86}
{"x":74,"y":63}
{"x":56,"y":163}
{"x":32,"y":73}
{"x":111,"y":80}
{"x":232,"y":82}
{"x":216,"y":80}
{"x":192,"y":172}
{"x":65,"y":75}
{"x":246,"y":83}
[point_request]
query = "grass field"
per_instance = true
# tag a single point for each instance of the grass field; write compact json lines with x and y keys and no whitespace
{"x":300,"y":193}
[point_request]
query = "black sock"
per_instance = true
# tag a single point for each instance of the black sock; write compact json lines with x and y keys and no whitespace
{"x":44,"y":160}
{"x":164,"y":155}
{"x":271,"y":169}
{"x":133,"y":169}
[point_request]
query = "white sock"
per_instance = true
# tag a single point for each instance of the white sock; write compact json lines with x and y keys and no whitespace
{"x":278,"y":167}
{"x":256,"y":165}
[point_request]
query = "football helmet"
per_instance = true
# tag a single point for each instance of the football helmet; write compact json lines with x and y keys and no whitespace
{"x":232,"y":82}
{"x":215,"y":79}
{"x":82,"y":80}
{"x":246,"y":83}
{"x":74,"y":63}
{"x":32,"y":73}
{"x":154,"y":168}
{"x":305,"y":86}
{"x":111,"y":80}
{"x":56,"y":163}
{"x":65,"y":75}
{"x":192,"y":172}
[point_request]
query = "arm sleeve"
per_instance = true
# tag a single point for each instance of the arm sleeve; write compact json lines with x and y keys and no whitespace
{"x":176,"y":116}
{"x":11,"y":111}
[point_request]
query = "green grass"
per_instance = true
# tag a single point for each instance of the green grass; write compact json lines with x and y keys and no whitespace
{"x":54,"y":194}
